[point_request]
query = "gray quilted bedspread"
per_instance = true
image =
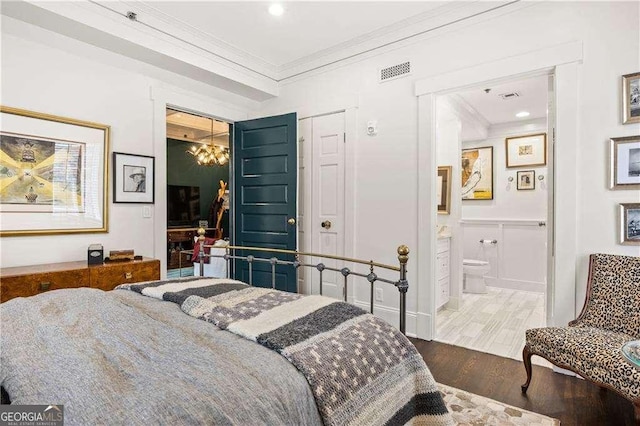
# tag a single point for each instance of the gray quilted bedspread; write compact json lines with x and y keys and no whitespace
{"x":118,"y":358}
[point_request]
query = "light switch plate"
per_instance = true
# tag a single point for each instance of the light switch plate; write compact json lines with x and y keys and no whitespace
{"x":146,"y":211}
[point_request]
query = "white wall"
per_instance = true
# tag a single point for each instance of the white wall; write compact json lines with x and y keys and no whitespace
{"x":508,"y":202}
{"x":518,"y":260}
{"x":386,"y":165}
{"x":46,"y":72}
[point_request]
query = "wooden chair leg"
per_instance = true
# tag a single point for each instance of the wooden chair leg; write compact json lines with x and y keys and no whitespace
{"x":526,"y":358}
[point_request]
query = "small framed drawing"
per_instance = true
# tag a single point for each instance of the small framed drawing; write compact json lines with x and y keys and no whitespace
{"x":631,"y":98}
{"x":527,"y":150}
{"x":625,"y":163}
{"x":477,"y":173}
{"x":133,"y":178}
{"x":630,"y":224}
{"x":526,"y":180}
{"x":444,"y":189}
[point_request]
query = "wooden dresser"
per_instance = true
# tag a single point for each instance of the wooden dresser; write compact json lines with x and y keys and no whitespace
{"x":24,"y":281}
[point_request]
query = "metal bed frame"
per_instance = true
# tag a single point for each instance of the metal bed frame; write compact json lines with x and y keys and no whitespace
{"x":230,"y":254}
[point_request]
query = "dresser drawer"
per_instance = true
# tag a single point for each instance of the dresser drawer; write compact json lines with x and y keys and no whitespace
{"x":32,"y":284}
{"x":108,"y":276}
{"x":180,"y":236}
{"x":442,"y":265}
{"x":443,"y":292}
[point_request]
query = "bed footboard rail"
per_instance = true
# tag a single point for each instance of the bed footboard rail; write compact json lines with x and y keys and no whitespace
{"x":300,"y":261}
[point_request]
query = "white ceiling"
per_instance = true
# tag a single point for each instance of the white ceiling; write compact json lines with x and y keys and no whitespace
{"x":305,"y":28}
{"x":533,"y":98}
{"x":238,"y":46}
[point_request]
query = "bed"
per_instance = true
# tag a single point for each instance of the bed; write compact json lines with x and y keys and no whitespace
{"x":214,"y":351}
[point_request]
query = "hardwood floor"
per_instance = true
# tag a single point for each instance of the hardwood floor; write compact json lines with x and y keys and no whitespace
{"x":572,"y":400}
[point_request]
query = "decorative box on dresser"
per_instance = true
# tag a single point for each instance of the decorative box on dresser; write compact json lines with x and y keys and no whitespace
{"x":442,"y":265}
{"x":24,"y":281}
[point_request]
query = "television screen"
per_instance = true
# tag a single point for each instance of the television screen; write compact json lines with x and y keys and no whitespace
{"x":183,"y":205}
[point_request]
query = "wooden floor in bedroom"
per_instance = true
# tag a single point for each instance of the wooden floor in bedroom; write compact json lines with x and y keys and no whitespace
{"x":573,"y":401}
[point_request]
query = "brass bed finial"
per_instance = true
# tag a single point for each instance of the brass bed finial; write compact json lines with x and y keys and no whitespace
{"x":403,"y":253}
{"x":201,"y":232}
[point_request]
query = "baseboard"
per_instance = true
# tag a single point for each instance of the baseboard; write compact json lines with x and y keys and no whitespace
{"x":453,"y":304}
{"x":565,"y":372}
{"x":391,"y":315}
{"x":531,"y":286}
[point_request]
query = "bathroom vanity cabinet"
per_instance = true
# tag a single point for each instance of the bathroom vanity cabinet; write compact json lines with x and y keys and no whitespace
{"x":443,"y":267}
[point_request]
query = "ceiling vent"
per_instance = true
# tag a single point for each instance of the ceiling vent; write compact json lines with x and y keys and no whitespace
{"x":395,"y":71}
{"x":511,"y":95}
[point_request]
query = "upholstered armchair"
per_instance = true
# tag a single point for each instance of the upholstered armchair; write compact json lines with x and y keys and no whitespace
{"x":590,"y":345}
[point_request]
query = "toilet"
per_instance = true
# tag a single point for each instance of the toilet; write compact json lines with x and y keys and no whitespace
{"x":474,"y":272}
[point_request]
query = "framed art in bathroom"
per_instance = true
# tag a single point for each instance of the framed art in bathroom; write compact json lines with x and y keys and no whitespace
{"x":624,"y":163}
{"x":477,"y":173}
{"x":54,"y":174}
{"x":630,"y":223}
{"x":631,"y":98}
{"x":526,"y":150}
{"x":526,"y":180}
{"x":444,"y":189}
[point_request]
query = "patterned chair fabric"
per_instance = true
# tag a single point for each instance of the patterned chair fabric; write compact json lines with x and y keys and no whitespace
{"x":590,"y":345}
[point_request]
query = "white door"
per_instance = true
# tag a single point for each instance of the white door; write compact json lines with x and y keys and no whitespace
{"x":321,"y":159}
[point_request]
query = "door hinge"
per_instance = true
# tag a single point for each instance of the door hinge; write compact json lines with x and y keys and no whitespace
{"x":344,"y":138}
{"x":554,"y":134}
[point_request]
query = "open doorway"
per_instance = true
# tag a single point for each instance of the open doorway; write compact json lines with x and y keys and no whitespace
{"x":491,"y":251}
{"x":198,"y":161}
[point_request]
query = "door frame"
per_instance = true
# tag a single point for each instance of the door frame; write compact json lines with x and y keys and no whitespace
{"x":561,"y":61}
{"x":163,"y":98}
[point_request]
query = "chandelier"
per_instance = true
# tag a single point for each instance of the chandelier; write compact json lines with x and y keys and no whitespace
{"x":209,"y":154}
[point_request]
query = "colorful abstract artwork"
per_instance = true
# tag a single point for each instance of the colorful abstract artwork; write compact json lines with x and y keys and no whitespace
{"x":477,"y":173}
{"x":41,"y":175}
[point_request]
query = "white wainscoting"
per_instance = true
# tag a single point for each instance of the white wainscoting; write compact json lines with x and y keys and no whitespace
{"x":519,"y":258}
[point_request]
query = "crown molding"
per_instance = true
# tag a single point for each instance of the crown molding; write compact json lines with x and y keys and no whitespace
{"x":476,"y":126}
{"x":160,"y":40}
{"x":185,"y":31}
{"x":399,"y":34}
{"x":108,"y":28}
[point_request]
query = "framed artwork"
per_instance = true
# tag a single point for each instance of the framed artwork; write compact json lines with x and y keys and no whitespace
{"x":630,"y":224}
{"x":133,"y":178}
{"x":631,"y":98}
{"x":477,"y":173}
{"x":527,"y":150}
{"x":53,"y":174}
{"x":444,"y":189}
{"x":625,"y":163}
{"x":526,"y":180}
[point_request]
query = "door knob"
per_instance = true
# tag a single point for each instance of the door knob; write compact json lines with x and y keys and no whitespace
{"x":326,"y":224}
{"x":291,"y":221}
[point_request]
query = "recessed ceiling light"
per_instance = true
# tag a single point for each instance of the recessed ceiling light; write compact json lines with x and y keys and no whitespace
{"x":276,"y":9}
{"x":523,"y":114}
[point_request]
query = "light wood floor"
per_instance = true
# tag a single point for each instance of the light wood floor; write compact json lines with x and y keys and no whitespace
{"x":494,"y":322}
{"x":572,"y":400}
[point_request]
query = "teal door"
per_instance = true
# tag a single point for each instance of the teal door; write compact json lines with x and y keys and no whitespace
{"x":264,"y":195}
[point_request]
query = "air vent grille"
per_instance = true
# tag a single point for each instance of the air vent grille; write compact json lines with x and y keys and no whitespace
{"x":395,"y":71}
{"x":511,"y":95}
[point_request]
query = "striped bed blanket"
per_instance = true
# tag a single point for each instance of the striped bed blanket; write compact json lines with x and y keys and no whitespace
{"x":361,"y":370}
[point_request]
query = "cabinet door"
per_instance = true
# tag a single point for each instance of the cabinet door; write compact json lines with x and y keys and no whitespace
{"x":108,"y":276}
